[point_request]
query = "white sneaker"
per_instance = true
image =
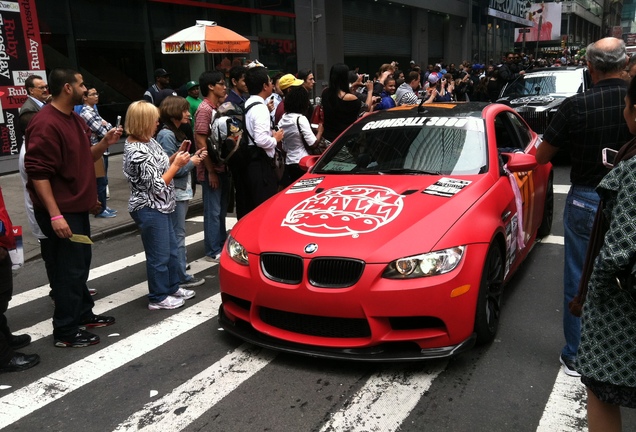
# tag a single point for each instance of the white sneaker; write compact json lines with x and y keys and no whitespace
{"x":169,"y":302}
{"x":192,"y":283}
{"x":184,"y":294}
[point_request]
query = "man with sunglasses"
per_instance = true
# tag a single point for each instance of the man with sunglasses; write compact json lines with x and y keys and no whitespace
{"x":510,"y":69}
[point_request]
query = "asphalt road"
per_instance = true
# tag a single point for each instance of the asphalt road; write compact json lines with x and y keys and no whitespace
{"x":176,"y":370}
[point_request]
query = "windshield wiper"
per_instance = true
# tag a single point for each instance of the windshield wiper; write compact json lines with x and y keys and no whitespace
{"x":408,"y":171}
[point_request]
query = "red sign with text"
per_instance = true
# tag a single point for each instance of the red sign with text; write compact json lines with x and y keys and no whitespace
{"x":21,"y":55}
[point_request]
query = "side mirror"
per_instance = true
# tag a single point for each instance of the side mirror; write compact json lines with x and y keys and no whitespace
{"x":307,"y":162}
{"x":520,"y":162}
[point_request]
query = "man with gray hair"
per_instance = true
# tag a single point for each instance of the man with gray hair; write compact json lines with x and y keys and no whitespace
{"x":583,"y":126}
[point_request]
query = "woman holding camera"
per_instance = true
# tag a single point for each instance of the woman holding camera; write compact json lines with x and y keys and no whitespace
{"x":341,"y":107}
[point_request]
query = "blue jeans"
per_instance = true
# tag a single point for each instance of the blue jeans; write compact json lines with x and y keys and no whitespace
{"x":215,"y":203}
{"x":160,"y":244}
{"x":178,"y":217}
{"x":102,"y":182}
{"x":578,"y":217}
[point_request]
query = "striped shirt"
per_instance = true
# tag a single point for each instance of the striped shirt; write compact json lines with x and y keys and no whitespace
{"x":144,"y":166}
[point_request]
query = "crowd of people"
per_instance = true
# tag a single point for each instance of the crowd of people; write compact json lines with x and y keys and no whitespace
{"x":168,"y":151}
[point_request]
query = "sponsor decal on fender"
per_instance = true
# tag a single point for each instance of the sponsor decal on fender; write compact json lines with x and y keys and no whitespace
{"x":345,"y":211}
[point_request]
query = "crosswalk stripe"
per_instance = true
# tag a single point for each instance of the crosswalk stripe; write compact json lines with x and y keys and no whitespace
{"x":106,"y":269}
{"x":200,"y":393}
{"x":566,"y":407}
{"x":390,"y":395}
{"x":42,"y":392}
{"x":44,"y":329}
{"x":552,"y":239}
{"x":561,"y":189}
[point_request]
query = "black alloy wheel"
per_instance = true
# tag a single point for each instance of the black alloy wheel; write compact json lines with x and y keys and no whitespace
{"x":548,"y":210}
{"x":489,"y":299}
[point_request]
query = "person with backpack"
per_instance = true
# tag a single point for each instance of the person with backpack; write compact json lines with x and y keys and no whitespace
{"x":212,"y":175}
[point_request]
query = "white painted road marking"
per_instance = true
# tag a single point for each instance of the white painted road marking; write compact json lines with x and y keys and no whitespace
{"x":390,"y":394}
{"x":200,"y":393}
{"x":56,"y":385}
{"x":566,"y":407}
{"x":384,"y":402}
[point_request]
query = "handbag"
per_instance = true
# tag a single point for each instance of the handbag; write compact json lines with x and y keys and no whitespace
{"x":316,"y":149}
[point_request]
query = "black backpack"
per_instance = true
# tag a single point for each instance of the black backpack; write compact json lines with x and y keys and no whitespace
{"x":228,"y":140}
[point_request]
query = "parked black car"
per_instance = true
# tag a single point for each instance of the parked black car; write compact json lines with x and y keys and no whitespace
{"x":537,"y":94}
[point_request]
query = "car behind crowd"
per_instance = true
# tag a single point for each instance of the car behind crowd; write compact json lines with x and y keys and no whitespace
{"x":397,"y":242}
{"x":538,"y":93}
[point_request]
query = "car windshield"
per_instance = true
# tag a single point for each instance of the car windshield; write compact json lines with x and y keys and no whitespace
{"x":564,"y":83}
{"x":410,"y":145}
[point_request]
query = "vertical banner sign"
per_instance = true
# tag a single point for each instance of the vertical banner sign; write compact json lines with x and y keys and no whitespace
{"x":20,"y":56}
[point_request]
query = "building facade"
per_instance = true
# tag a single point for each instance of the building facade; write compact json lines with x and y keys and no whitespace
{"x":116,"y":45}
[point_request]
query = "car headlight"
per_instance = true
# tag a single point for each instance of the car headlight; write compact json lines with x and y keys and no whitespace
{"x":429,"y":264}
{"x":236,"y":251}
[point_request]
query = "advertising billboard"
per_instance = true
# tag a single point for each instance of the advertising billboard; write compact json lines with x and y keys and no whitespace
{"x":546,"y":23}
{"x":21,"y":55}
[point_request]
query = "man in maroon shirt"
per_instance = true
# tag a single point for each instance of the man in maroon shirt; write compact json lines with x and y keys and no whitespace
{"x":60,"y":164}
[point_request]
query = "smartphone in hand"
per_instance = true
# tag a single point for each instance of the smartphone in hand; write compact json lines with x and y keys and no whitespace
{"x":118,"y":123}
{"x":608,"y":157}
{"x":185,"y":146}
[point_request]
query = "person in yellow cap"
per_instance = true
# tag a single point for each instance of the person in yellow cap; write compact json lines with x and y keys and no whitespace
{"x":285,"y":83}
{"x":193,"y":89}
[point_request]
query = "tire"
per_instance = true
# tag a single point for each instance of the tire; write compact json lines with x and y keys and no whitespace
{"x":489,"y":298}
{"x":548,"y":211}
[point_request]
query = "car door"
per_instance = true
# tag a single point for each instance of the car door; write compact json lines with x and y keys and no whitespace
{"x":513,"y":136}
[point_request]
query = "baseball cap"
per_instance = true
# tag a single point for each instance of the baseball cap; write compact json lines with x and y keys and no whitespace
{"x":161,"y":72}
{"x":433,"y":78}
{"x":289,"y":80}
{"x":191,"y":84}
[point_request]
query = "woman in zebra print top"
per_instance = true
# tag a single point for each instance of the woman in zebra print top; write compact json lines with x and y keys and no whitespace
{"x":150,"y":172}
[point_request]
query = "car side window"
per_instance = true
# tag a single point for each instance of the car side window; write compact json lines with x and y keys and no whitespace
{"x":521,"y":130}
{"x":507,"y":139}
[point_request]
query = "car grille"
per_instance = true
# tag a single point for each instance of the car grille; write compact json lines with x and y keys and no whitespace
{"x":282,"y":268}
{"x":313,"y":325}
{"x":322,"y":272}
{"x":538,"y":121}
{"x":334,"y":272}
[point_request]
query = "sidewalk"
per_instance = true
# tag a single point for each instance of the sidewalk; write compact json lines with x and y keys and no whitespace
{"x":100,"y":228}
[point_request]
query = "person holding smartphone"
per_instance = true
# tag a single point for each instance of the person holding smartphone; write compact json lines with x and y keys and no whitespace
{"x":98,"y":127}
{"x":173,"y":112}
{"x":150,"y":173}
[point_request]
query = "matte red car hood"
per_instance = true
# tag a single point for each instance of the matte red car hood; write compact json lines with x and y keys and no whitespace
{"x":365,"y":219}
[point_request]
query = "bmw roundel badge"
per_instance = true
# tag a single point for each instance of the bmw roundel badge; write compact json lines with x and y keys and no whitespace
{"x":311,"y":248}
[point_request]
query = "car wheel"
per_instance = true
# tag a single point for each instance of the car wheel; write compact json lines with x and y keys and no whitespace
{"x":489,"y":299}
{"x":548,"y":211}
